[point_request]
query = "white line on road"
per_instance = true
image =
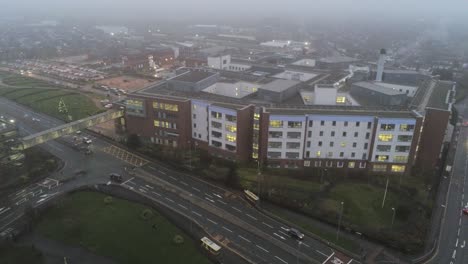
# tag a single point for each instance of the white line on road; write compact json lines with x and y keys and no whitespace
{"x":142,"y":190}
{"x":196,"y":189}
{"x":458,"y":233}
{"x":278,"y":258}
{"x":262,"y":249}
{"x":151,"y":187}
{"x":305,"y":244}
{"x":221,"y":201}
{"x":184,"y":183}
{"x":225,"y":228}
{"x":329,"y":257}
{"x":217,"y":195}
{"x":129,"y":180}
{"x":236,"y":209}
{"x":182,"y":206}
{"x":21,"y":201}
{"x":163,"y":173}
{"x":174,"y":178}
{"x":454,"y":253}
{"x":6,"y":210}
{"x":208,"y":195}
{"x":456,"y":243}
{"x":212,"y":221}
{"x":270,"y":226}
{"x":251,"y":217}
{"x":284,"y":228}
{"x":283,"y":233}
{"x":209,"y":199}
{"x":244,"y":238}
{"x":156,"y":194}
{"x":151,"y":167}
{"x":279,"y":236}
{"x":196,"y":213}
{"x":170,"y":200}
{"x":321,"y":253}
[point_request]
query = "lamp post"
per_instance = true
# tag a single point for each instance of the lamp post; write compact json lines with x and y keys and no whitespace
{"x":339,"y":221}
{"x":393,"y":216}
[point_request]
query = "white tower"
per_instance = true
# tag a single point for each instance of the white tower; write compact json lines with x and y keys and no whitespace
{"x":380,"y":65}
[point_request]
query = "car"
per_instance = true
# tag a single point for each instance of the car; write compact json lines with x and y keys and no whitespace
{"x":115,"y":177}
{"x":108,"y":106}
{"x":295,"y":233}
{"x":465,"y":210}
{"x":465,"y":124}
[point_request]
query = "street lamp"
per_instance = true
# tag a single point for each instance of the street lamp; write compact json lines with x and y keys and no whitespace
{"x":393,"y":216}
{"x":339,"y":221}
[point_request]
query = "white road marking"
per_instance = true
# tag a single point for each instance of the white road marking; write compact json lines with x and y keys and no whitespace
{"x":217,"y":195}
{"x":196,"y":189}
{"x":221,"y":202}
{"x":211,"y":221}
{"x":225,"y":228}
{"x":129,"y":180}
{"x":142,"y":190}
{"x":163,"y":173}
{"x":321,"y":253}
{"x":151,"y":167}
{"x":458,"y":233}
{"x":208,"y":195}
{"x":284,"y":228}
{"x":170,"y":200}
{"x":209,"y":199}
{"x":184,"y":183}
{"x":278,"y":258}
{"x":283,"y":233}
{"x":270,"y":226}
{"x":244,"y":238}
{"x":6,"y":210}
{"x":454,"y":253}
{"x":196,"y":213}
{"x":279,"y":236}
{"x":251,"y":217}
{"x":150,"y":187}
{"x":262,"y":249}
{"x":174,"y":178}
{"x":305,"y":244}
{"x":182,"y":206}
{"x":21,"y":201}
{"x":236,"y":209}
{"x":156,"y":194}
{"x":456,"y":243}
{"x":329,"y":257}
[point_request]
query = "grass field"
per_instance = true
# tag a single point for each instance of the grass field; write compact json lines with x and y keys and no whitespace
{"x":46,"y":100}
{"x":117,"y":230}
{"x":20,"y":255}
{"x":18,"y":80}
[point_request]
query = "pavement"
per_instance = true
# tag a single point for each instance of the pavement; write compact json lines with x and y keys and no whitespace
{"x":231,"y":221}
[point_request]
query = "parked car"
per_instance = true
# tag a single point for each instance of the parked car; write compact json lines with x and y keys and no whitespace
{"x":295,"y":233}
{"x":465,"y":210}
{"x":115,"y":177}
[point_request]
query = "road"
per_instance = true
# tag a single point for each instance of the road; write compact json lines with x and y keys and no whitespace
{"x":228,"y":218}
{"x":454,"y":233}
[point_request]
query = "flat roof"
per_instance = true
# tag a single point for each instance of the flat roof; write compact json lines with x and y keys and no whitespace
{"x":296,"y":75}
{"x":279,"y":85}
{"x":337,"y":59}
{"x":193,"y":76}
{"x":232,"y":89}
{"x":375,"y":86}
{"x":441,"y":97}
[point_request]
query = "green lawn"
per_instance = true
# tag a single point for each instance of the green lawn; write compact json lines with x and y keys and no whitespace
{"x":117,"y":230}
{"x":20,"y":255}
{"x":46,"y":100}
{"x":22,"y":81}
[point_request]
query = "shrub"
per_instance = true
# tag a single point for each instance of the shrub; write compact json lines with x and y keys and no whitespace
{"x":146,"y":214}
{"x":108,"y":200}
{"x":178,"y":239}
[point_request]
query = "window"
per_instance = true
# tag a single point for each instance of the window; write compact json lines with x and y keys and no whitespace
{"x":322,"y":123}
{"x":358,"y":124}
{"x":317,"y":163}
{"x":310,"y":123}
{"x":351,"y":164}
{"x":256,"y":116}
{"x":334,"y":123}
{"x":381,"y":158}
{"x":331,"y":144}
{"x":356,"y":134}
{"x":403,"y":138}
{"x":339,"y":164}
{"x":275,"y":134}
{"x":157,"y":123}
{"x":194,"y":134}
{"x":353,"y":154}
{"x":318,"y":153}
{"x":379,"y":167}
{"x":330,"y":154}
{"x":308,"y":144}
{"x":294,"y":135}
{"x":345,"y":123}
{"x":398,"y":168}
{"x":216,"y":115}
{"x":362,"y":165}
{"x":194,"y":107}
{"x":367,"y":135}
{"x":307,"y":154}
{"x":385,"y":137}
{"x":384,"y":148}
{"x":341,"y":154}
{"x":167,"y":107}
{"x":320,"y":143}
{"x":231,"y":128}
{"x":194,"y":116}
{"x":354,"y":144}
{"x":231,"y":118}
{"x":344,"y":134}
{"x":274,"y":155}
{"x":402,"y":148}
{"x":309,"y":134}
{"x":340,"y":99}
{"x":275,"y":144}
{"x":293,"y":145}
{"x":369,"y":125}
{"x":216,"y":134}
{"x":216,"y":124}
{"x":230,"y":147}
{"x":321,"y":133}
{"x":366,"y":145}
{"x":364,"y":156}
{"x":329,"y":163}
{"x":343,"y":144}
{"x":276,"y":123}
{"x":332,"y":133}
{"x":216,"y":143}
{"x":406,"y":128}
{"x":292,"y":155}
{"x":194,"y":125}
{"x":231,"y":138}
{"x":400,"y":159}
{"x":256,"y":126}
{"x":387,"y":127}
{"x":294,"y":124}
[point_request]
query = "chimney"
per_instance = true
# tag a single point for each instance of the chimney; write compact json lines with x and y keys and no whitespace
{"x":380,"y":65}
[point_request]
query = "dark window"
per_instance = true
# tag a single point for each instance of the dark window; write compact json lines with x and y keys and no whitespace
{"x":344,"y":134}
{"x":358,"y":124}
{"x":356,"y":134}
{"x":366,"y":145}
{"x":310,"y":123}
{"x":334,"y":123}
{"x":331,"y":144}
{"x":354,"y":144}
{"x":341,"y":154}
{"x":367,"y":135}
{"x":345,"y":123}
{"x":321,"y":133}
{"x":369,"y":125}
{"x":333,"y":133}
{"x":320,"y":143}
{"x":309,"y":134}
{"x":322,"y":123}
{"x":353,"y":154}
{"x":308,"y":144}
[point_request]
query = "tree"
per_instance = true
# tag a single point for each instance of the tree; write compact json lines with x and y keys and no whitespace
{"x":133,"y":141}
{"x":232,"y":178}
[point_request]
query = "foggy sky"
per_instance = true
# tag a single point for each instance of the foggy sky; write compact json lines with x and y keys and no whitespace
{"x":218,"y":9}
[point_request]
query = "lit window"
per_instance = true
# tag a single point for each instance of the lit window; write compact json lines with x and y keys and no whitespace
{"x":318,"y":153}
{"x":381,"y":157}
{"x":387,"y":127}
{"x":216,"y":115}
{"x":156,"y":123}
{"x":276,"y":123}
{"x":255,"y":146}
{"x":155,"y":105}
{"x":379,"y":167}
{"x":351,"y":164}
{"x":404,"y":138}
{"x":400,"y":159}
{"x":134,"y":103}
{"x":340,"y":99}
{"x":343,"y":144}
{"x":292,"y":124}
{"x":385,"y":137}
{"x":231,"y":138}
{"x":398,"y":168}
{"x":256,"y":116}
{"x":231,"y":128}
{"x":231,"y":118}
{"x":406,"y":128}
{"x":254,"y":155}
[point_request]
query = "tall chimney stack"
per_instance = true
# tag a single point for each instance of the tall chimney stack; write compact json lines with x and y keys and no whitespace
{"x":380,"y":65}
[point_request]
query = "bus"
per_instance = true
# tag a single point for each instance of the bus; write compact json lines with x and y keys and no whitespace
{"x":210,"y":246}
{"x":251,"y":196}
